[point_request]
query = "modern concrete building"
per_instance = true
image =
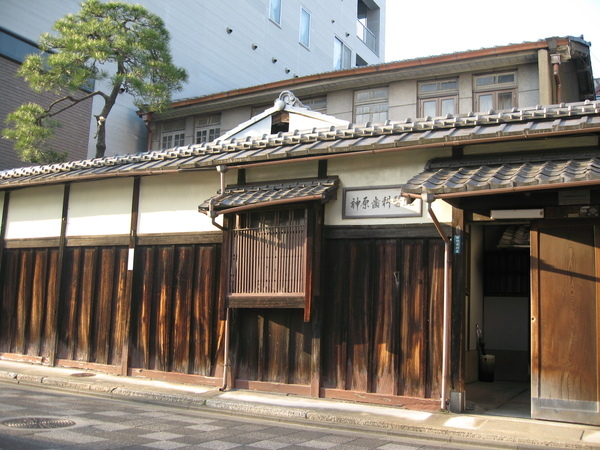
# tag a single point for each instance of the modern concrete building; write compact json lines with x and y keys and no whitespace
{"x":223,"y":46}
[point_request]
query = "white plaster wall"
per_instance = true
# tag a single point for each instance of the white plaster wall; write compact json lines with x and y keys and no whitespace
{"x":100,"y":208}
{"x":35,"y":212}
{"x":281,"y":172}
{"x":465,"y":94}
{"x":383,"y":169}
{"x":402,"y":100}
{"x":231,"y":118}
{"x":340,"y":104}
{"x":169,"y":203}
{"x":529,"y":85}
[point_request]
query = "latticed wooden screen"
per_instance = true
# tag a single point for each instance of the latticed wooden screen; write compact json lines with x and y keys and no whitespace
{"x":268,"y":255}
{"x":268,"y":260}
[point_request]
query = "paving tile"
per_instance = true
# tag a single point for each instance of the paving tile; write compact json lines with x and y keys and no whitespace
{"x":268,"y":444}
{"x":218,"y":445}
{"x":205,"y":427}
{"x":162,"y":436}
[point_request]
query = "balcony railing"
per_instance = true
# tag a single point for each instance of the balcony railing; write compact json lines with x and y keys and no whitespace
{"x":367,"y":36}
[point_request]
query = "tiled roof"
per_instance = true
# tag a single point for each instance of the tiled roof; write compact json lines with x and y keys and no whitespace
{"x":260,"y":194}
{"x":445,"y":178}
{"x":450,"y":130}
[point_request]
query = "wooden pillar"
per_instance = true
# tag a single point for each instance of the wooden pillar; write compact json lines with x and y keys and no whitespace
{"x":126,"y":318}
{"x":458,"y":327}
{"x":62,"y":243}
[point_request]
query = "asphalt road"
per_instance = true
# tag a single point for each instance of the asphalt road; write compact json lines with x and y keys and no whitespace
{"x":36,"y":418}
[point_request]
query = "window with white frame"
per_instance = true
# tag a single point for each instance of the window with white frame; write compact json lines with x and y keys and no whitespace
{"x":304,"y":27}
{"x":496,"y":91}
{"x":275,"y":11}
{"x":342,"y":55}
{"x":371,"y":105}
{"x":318,"y":104}
{"x":438,"y":98}
{"x":173,"y":134}
{"x":207,"y":128}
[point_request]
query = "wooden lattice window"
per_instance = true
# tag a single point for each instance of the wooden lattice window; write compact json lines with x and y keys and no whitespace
{"x":269,"y":259}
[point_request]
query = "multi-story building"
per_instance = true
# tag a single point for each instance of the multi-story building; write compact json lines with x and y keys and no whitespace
{"x":552,"y":70}
{"x":223,"y":46}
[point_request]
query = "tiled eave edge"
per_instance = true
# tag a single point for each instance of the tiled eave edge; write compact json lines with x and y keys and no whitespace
{"x":470,"y":129}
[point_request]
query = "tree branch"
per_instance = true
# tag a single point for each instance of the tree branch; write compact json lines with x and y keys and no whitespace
{"x":74,"y":101}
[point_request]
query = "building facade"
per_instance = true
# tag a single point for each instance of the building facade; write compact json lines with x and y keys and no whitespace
{"x":301,"y":253}
{"x":225,"y":47}
{"x":548,"y":71}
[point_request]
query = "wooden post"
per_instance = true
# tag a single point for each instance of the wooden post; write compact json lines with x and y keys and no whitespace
{"x":457,"y":346}
{"x":315,"y":369}
{"x":59,"y":270}
{"x":2,"y":235}
{"x":126,"y":318}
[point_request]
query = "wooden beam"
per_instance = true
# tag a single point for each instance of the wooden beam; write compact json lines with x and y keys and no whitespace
{"x":53,"y":310}
{"x":126,"y":310}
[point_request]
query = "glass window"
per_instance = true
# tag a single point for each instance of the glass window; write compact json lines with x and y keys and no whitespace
{"x":438,"y":98}
{"x":495,"y":92}
{"x":486,"y":102}
{"x":173,"y":140}
{"x":207,"y":128}
{"x":275,"y":11}
{"x":341,"y":55}
{"x":304,"y":27}
{"x":371,"y":105}
{"x":173,"y":134}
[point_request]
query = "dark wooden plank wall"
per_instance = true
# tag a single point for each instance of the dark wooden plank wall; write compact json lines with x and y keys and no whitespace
{"x":27,"y":300}
{"x":272,"y":345}
{"x":381,"y":303}
{"x":175,"y":309}
{"x":382,"y":316}
{"x":90,"y":328}
{"x":382,"y":308}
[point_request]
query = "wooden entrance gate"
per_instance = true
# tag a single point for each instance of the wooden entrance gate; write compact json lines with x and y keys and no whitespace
{"x":565,"y":321}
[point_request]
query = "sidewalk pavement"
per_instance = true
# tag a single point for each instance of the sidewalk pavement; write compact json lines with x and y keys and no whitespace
{"x":484,"y":430}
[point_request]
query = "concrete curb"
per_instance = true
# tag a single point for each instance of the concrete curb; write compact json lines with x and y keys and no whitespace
{"x":370,"y":422}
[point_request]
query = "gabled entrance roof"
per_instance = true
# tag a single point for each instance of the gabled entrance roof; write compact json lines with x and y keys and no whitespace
{"x":249,"y":196}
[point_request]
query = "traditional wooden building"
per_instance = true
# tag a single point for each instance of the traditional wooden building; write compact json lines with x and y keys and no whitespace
{"x":330,"y":260}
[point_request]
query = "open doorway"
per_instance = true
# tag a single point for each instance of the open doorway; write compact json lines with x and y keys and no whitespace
{"x":499,"y":354}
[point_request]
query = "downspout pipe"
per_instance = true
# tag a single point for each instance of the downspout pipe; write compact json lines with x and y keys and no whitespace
{"x":226,"y":351}
{"x":556,"y":60}
{"x":222,"y":169}
{"x":428,"y":199}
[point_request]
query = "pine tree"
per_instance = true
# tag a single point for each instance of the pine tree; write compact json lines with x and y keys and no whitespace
{"x":114,"y":44}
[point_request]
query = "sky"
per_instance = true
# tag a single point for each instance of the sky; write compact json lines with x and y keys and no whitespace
{"x":434,"y":27}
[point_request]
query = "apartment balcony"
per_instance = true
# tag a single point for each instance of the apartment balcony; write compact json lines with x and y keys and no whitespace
{"x":367,"y":36}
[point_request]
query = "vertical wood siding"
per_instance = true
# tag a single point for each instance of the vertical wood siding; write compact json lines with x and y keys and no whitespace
{"x":90,"y":307}
{"x":175,"y":326}
{"x":382,"y":307}
{"x":381,"y":304}
{"x":382,"y":316}
{"x":27,"y":300}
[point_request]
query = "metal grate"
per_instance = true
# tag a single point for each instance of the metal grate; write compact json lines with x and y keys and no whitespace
{"x":38,"y":423}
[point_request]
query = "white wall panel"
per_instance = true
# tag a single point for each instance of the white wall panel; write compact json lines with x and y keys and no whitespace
{"x":35,"y":212}
{"x":169,"y":203}
{"x":386,"y":169}
{"x":282,"y":172}
{"x":100,"y":208}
